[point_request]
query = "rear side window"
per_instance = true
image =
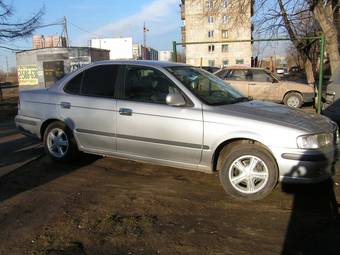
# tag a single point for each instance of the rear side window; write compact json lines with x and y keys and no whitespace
{"x":73,"y":86}
{"x":97,"y":81}
{"x":237,"y":75}
{"x":100,"y":81}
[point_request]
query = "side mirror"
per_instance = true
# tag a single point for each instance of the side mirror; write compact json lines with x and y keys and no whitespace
{"x":175,"y":99}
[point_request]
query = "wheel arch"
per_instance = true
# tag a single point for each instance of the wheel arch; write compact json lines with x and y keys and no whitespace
{"x":292,"y":91}
{"x":227,"y":145}
{"x":46,"y":123}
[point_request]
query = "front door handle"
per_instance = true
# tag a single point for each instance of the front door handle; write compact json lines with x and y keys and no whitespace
{"x":65,"y":105}
{"x":125,"y":111}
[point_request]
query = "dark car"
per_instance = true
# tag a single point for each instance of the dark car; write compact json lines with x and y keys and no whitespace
{"x":331,"y":97}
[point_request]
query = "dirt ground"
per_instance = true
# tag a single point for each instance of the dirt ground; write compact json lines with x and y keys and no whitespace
{"x":110,"y":206}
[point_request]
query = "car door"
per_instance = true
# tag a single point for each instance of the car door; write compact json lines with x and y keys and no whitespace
{"x":88,"y":107}
{"x":238,"y":78}
{"x":262,"y":86}
{"x":147,"y":127}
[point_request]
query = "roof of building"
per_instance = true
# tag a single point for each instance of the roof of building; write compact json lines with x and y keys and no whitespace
{"x":52,"y":48}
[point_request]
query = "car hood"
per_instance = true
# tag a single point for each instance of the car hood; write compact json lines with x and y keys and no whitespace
{"x":281,"y":115}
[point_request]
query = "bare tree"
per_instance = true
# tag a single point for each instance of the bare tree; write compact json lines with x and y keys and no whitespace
{"x":323,"y":11}
{"x":295,"y":18}
{"x":13,"y":30}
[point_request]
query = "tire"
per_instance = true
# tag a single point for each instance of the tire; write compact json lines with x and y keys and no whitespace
{"x":59,"y":142}
{"x":293,"y":99}
{"x":254,"y":184}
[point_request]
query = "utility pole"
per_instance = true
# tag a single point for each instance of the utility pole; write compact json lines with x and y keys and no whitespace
{"x":6,"y":68}
{"x":66,"y":33}
{"x":145,"y":30}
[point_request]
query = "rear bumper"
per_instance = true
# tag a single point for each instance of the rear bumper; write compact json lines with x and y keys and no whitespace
{"x":306,"y":166}
{"x":28,"y":126}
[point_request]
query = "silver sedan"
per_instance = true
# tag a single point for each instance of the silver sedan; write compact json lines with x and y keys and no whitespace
{"x":181,"y":116}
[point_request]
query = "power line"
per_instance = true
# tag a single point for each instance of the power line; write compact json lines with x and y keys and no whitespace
{"x":83,"y":30}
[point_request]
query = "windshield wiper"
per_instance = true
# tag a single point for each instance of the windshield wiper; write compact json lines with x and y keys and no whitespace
{"x":243,"y":99}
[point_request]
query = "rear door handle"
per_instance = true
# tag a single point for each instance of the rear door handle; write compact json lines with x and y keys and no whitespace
{"x":65,"y":105}
{"x":125,"y":111}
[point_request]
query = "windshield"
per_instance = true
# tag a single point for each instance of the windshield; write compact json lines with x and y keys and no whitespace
{"x":209,"y":88}
{"x":273,"y":75}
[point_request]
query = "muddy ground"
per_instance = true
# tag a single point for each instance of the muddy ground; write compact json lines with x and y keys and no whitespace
{"x":110,"y":206}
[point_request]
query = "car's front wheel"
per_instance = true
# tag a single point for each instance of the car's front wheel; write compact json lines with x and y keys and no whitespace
{"x":293,"y":99}
{"x":59,"y":142}
{"x":249,"y":172}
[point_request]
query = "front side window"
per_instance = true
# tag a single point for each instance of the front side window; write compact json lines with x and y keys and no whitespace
{"x":261,"y":76}
{"x":144,"y":84}
{"x":209,"y":88}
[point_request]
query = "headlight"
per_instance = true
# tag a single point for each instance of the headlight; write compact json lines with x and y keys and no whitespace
{"x":314,"y":141}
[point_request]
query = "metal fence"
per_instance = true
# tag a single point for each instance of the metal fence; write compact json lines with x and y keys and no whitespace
{"x":320,"y":39}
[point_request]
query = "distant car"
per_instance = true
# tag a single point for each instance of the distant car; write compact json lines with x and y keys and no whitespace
{"x":331,"y":97}
{"x":210,"y":69}
{"x":261,"y":84}
{"x":281,"y":71}
{"x":181,"y":116}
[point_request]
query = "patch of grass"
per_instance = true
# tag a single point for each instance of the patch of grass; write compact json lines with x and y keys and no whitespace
{"x":136,"y":225}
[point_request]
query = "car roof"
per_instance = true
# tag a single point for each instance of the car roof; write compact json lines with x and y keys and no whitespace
{"x":243,"y":67}
{"x":150,"y":63}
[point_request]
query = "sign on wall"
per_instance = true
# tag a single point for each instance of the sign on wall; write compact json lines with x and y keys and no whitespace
{"x":28,"y":75}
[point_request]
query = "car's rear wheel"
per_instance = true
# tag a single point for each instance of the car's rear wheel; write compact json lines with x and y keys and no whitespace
{"x":59,"y":142}
{"x":293,"y":99}
{"x":248,"y":172}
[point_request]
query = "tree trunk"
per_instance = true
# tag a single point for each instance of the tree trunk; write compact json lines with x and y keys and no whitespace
{"x":309,"y":71}
{"x":324,"y":16}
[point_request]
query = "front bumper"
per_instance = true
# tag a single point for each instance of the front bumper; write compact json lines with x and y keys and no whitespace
{"x":306,"y":166}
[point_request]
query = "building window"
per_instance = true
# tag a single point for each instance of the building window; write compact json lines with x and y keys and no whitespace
{"x":211,"y":62}
{"x":211,"y":33}
{"x":209,"y":4}
{"x":224,"y":19}
{"x":225,"y":3}
{"x":211,"y":48}
{"x":224,"y":34}
{"x":225,"y":47}
{"x":210,"y":19}
{"x":239,"y":61}
{"x":225,"y":62}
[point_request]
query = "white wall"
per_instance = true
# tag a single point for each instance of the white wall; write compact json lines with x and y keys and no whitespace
{"x":165,"y":55}
{"x":120,"y":48}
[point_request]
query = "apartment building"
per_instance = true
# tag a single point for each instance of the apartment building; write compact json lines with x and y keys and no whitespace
{"x":217,"y":20}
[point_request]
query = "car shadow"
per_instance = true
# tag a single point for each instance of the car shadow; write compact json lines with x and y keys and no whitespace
{"x":38,"y":173}
{"x":314,"y":225}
